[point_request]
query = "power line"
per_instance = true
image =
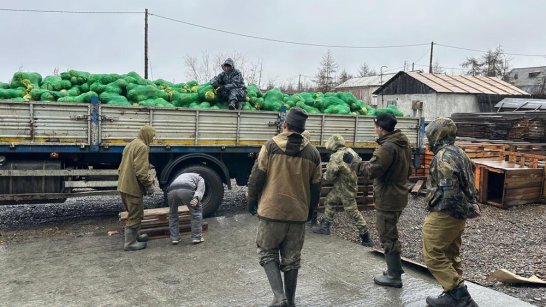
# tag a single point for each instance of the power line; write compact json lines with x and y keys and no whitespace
{"x":483,"y":51}
{"x":68,"y":12}
{"x":285,"y":41}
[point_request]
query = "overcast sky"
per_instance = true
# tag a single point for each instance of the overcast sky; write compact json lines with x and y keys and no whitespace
{"x":114,"y":43}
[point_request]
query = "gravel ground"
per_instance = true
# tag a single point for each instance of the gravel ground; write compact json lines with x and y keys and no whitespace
{"x":511,"y":239}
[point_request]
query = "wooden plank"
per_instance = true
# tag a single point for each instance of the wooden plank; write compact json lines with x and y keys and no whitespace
{"x":417,"y":187}
{"x":59,"y":173}
{"x":90,"y":184}
{"x":157,"y":211}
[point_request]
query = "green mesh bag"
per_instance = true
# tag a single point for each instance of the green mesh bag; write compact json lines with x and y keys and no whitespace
{"x":85,"y":97}
{"x":104,"y":78}
{"x":55,"y":83}
{"x":391,"y":109}
{"x":12,"y":93}
{"x":253,"y":91}
{"x":273,"y":100}
{"x":184,"y":99}
{"x":18,"y":77}
{"x":4,"y":86}
{"x":156,"y":102}
{"x":76,"y":77}
{"x":306,"y":108}
{"x":113,"y":99}
{"x":145,"y":92}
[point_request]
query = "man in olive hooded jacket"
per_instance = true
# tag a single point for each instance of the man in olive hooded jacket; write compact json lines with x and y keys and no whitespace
{"x":390,"y":168}
{"x":133,"y":182}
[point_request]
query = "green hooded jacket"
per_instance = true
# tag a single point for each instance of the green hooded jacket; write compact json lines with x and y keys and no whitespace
{"x":133,"y":171}
{"x":390,"y":168}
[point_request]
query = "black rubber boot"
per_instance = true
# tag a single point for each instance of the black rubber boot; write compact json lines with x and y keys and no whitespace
{"x":142,"y":237}
{"x":232,"y":105}
{"x":323,"y":228}
{"x":239,"y":105}
{"x":458,"y":297}
{"x":273,"y":273}
{"x":313,"y":220}
{"x":290,"y":283}
{"x":131,"y":243}
{"x":393,"y":277}
{"x":366,"y":240}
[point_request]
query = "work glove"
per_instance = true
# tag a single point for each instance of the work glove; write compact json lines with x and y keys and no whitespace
{"x":221,"y":88}
{"x":348,"y":157}
{"x":252,"y":206}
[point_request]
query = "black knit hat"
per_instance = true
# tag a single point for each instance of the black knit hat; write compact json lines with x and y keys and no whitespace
{"x":296,"y":118}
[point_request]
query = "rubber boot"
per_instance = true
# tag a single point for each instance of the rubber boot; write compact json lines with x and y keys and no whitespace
{"x":323,"y":228}
{"x":366,"y":240}
{"x":313,"y":220}
{"x":131,"y":243}
{"x":290,"y":283}
{"x":239,"y":105}
{"x":232,"y":105}
{"x":458,"y":297}
{"x":393,"y":278}
{"x":142,"y":237}
{"x":273,"y":273}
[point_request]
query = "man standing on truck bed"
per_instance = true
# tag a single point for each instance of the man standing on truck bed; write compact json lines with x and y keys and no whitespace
{"x":390,"y":167}
{"x":285,"y":181}
{"x":186,"y":189}
{"x":230,"y":85}
{"x":345,"y":186}
{"x":134,"y":181}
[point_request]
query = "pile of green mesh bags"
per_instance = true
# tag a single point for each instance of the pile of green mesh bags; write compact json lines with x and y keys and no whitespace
{"x":133,"y":90}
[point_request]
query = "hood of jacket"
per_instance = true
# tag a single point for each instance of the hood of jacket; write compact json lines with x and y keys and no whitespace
{"x":440,"y":133}
{"x":335,"y":142}
{"x":396,"y":137}
{"x":229,"y":62}
{"x":146,"y":134}
{"x":291,"y":143}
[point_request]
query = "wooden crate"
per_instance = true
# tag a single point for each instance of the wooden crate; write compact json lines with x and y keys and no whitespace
{"x":364,"y":196}
{"x":508,"y":183}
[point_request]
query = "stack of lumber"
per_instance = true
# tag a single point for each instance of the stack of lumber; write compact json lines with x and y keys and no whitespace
{"x":482,"y":150}
{"x":516,"y":126}
{"x":156,"y":222}
{"x":364,"y":197}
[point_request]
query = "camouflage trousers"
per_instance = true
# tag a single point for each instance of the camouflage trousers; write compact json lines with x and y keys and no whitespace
{"x":386,"y":223}
{"x":135,"y":209}
{"x":349,"y":206}
{"x":286,"y":239}
{"x":237,"y":94}
{"x":442,"y":248}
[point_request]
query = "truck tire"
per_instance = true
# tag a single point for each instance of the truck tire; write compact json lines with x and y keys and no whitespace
{"x":214,"y":188}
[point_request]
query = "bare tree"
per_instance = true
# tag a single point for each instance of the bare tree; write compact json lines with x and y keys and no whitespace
{"x":473,"y":66}
{"x":325,"y":77}
{"x":437,"y":69}
{"x":365,"y":71}
{"x":344,"y":76}
{"x":204,"y":68}
{"x":493,"y":63}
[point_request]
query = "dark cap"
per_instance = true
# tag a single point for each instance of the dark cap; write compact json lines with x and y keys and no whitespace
{"x":386,"y":121}
{"x":296,"y":118}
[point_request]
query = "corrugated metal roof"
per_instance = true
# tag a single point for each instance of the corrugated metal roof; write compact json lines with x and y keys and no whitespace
{"x":365,"y":81}
{"x":442,"y":83}
{"x":522,"y":104}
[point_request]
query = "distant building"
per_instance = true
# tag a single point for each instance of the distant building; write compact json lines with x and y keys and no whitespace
{"x":363,"y":87}
{"x":435,"y":95}
{"x":529,"y":79}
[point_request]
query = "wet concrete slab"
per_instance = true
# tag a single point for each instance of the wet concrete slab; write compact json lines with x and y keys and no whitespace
{"x":223,"y":271}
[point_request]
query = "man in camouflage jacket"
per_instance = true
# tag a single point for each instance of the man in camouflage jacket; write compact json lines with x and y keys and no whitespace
{"x":344,"y":189}
{"x":230,"y":85}
{"x":450,"y":201}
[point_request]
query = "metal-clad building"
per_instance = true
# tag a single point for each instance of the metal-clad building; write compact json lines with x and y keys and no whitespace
{"x":435,"y":95}
{"x":521,"y":104}
{"x":364,"y":87}
{"x":529,"y":79}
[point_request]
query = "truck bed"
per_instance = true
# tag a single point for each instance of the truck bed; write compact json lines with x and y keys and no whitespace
{"x":94,"y":127}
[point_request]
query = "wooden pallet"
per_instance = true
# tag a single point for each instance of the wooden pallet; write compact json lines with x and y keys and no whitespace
{"x":155,"y":222}
{"x":364,"y":196}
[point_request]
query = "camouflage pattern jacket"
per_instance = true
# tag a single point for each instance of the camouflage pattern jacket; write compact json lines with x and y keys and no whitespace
{"x":451,"y":175}
{"x":338,"y":172}
{"x":231,"y":80}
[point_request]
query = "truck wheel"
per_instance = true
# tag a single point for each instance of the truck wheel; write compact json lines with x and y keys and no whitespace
{"x":214,"y":188}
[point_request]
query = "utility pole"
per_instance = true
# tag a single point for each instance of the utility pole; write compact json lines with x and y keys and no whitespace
{"x":146,"y":44}
{"x":299,"y":83}
{"x":431,"y":51}
{"x":413,"y":66}
{"x":260,"y":77}
{"x":405,"y":63}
